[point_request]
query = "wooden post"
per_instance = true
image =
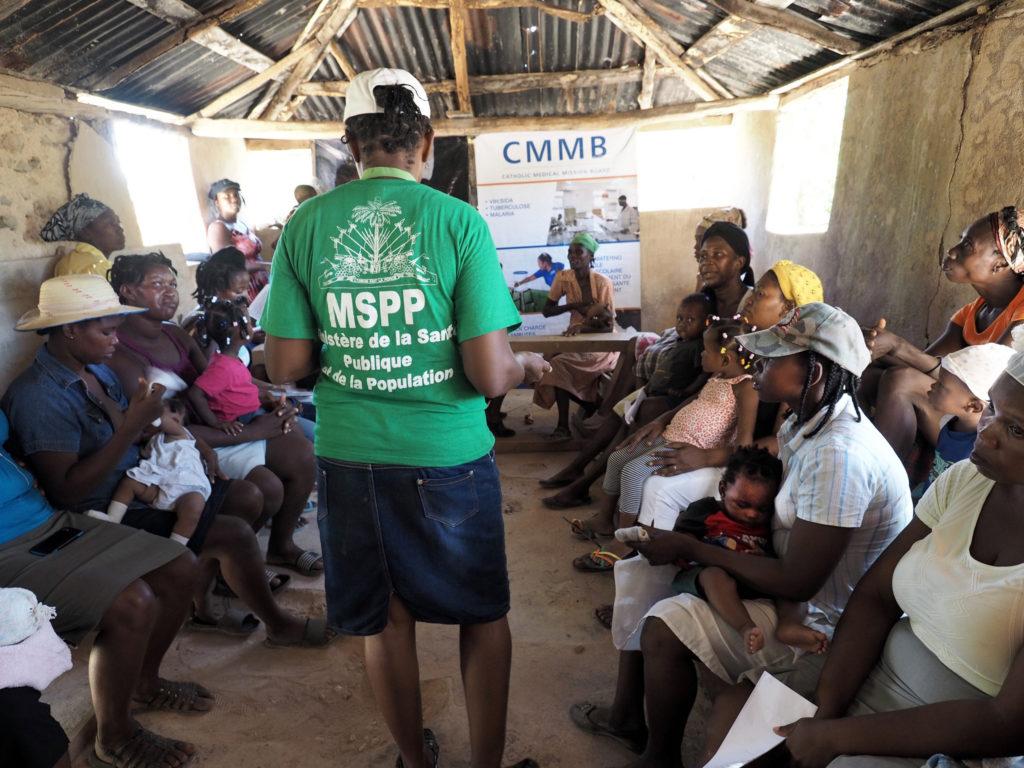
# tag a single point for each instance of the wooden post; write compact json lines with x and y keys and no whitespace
{"x":646,"y":99}
{"x":457,"y":19}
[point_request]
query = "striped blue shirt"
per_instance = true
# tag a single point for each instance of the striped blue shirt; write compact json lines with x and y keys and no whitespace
{"x":845,"y":476}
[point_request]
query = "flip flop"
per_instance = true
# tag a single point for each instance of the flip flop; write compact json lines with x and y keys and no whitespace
{"x":605,"y":622}
{"x":580,"y":714}
{"x":580,"y":531}
{"x":598,"y":561}
{"x":430,"y":740}
{"x":232,"y":622}
{"x":314,"y":635}
{"x":553,"y":502}
{"x":305,"y":564}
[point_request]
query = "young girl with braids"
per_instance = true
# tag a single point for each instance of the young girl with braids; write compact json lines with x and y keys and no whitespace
{"x":722,"y":415}
{"x":224,"y":395}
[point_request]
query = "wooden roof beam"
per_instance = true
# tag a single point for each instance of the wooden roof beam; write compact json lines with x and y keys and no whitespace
{"x":628,"y":16}
{"x":481,"y":5}
{"x":457,"y":20}
{"x":789,"y":21}
{"x":647,"y":81}
{"x":199,"y":31}
{"x":339,"y":14}
{"x":511,"y":83}
{"x":303,"y":130}
{"x":342,"y":60}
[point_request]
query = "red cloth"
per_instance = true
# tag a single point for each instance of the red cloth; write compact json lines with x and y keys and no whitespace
{"x":246,"y":241}
{"x":722,"y":531}
{"x":229,"y":388}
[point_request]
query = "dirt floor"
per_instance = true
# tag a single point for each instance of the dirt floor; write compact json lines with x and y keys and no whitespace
{"x":312,"y":708}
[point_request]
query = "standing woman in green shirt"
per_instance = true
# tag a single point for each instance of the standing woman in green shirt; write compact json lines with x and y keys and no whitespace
{"x":392,"y":292}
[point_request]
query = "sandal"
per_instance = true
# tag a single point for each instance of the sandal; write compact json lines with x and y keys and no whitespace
{"x":553,"y":502}
{"x":430,"y":740}
{"x":232,"y":622}
{"x":276,"y":582}
{"x":171,"y":696}
{"x":598,"y":561}
{"x":308,"y":563}
{"x":581,"y":715}
{"x":604,"y":614}
{"x":314,"y":635}
{"x":581,"y":531}
{"x":140,"y":749}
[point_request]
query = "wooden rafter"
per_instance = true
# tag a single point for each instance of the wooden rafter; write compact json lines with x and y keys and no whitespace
{"x":210,"y":36}
{"x":635,"y":22}
{"x":457,"y":20}
{"x":789,"y":21}
{"x":478,"y":5}
{"x":648,"y":81}
{"x":514,"y":83}
{"x":304,"y":130}
{"x":342,"y":60}
{"x":244,"y":89}
{"x":11,"y":8}
{"x":339,"y":14}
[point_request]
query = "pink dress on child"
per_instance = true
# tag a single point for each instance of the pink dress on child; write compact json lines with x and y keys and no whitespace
{"x":709,"y":420}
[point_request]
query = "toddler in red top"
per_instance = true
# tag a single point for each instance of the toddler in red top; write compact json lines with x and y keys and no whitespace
{"x":224,"y":395}
{"x":740,"y":520}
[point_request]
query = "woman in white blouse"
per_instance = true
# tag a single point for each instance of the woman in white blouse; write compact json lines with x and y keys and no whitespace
{"x":948,"y":677}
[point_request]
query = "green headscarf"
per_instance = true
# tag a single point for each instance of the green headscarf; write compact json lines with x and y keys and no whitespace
{"x":587,"y":240}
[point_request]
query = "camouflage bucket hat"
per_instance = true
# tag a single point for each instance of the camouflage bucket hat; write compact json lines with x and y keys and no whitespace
{"x":816,"y":327}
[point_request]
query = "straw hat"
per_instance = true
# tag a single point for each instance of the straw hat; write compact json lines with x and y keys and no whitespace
{"x":73,"y":299}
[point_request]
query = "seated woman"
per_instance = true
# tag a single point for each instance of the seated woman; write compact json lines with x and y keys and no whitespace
{"x":121,"y":582}
{"x":929,"y":655}
{"x":227,"y":229}
{"x":844,"y":497}
{"x":79,"y":433}
{"x":590,"y":299}
{"x":989,"y":258}
{"x":95,"y":230}
{"x":679,"y":483}
{"x":267,"y":452}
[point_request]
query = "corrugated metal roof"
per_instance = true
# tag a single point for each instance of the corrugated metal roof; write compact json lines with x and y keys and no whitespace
{"x":67,"y":41}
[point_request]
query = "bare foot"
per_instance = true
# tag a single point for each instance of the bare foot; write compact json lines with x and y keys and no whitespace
{"x":753,"y":637}
{"x":595,"y":525}
{"x":561,"y":478}
{"x":802,"y":637}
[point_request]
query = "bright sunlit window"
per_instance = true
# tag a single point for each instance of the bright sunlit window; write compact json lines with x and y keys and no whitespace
{"x":686,"y":168}
{"x":808,"y":136}
{"x":269,"y":184}
{"x":156,"y":165}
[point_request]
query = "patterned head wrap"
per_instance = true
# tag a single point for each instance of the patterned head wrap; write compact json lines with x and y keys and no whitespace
{"x":72,"y":217}
{"x":587,"y":240}
{"x":799,"y":284}
{"x":1009,"y":237}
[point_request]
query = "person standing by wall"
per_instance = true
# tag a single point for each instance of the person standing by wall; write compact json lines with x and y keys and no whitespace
{"x":401,"y":286}
{"x":228,"y":229}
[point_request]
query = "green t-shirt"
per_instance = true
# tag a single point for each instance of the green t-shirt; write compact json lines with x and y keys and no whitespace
{"x":391,"y":275}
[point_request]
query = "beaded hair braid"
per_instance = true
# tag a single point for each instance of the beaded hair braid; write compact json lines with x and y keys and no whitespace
{"x":726,"y":330}
{"x":219,"y":318}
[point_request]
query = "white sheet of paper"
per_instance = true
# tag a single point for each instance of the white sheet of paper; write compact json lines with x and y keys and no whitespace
{"x":770,"y":705}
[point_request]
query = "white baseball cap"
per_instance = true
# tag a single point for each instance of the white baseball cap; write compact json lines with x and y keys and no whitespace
{"x":359,"y":98}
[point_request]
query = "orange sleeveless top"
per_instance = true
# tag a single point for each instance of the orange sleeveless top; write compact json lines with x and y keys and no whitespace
{"x":966,"y":318}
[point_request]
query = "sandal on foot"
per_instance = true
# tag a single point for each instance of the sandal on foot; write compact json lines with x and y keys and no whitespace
{"x":430,"y":740}
{"x":314,"y":635}
{"x":171,"y":696}
{"x":142,"y":748}
{"x":553,"y":502}
{"x":582,"y":717}
{"x":581,"y":530}
{"x":232,"y":622}
{"x":276,"y":582}
{"x":604,"y":614}
{"x":598,"y":561}
{"x":307,"y":563}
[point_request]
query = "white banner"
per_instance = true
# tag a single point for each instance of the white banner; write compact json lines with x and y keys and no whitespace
{"x":539,"y":189}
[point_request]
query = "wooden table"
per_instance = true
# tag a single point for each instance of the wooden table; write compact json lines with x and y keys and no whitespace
{"x":584,"y":342}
